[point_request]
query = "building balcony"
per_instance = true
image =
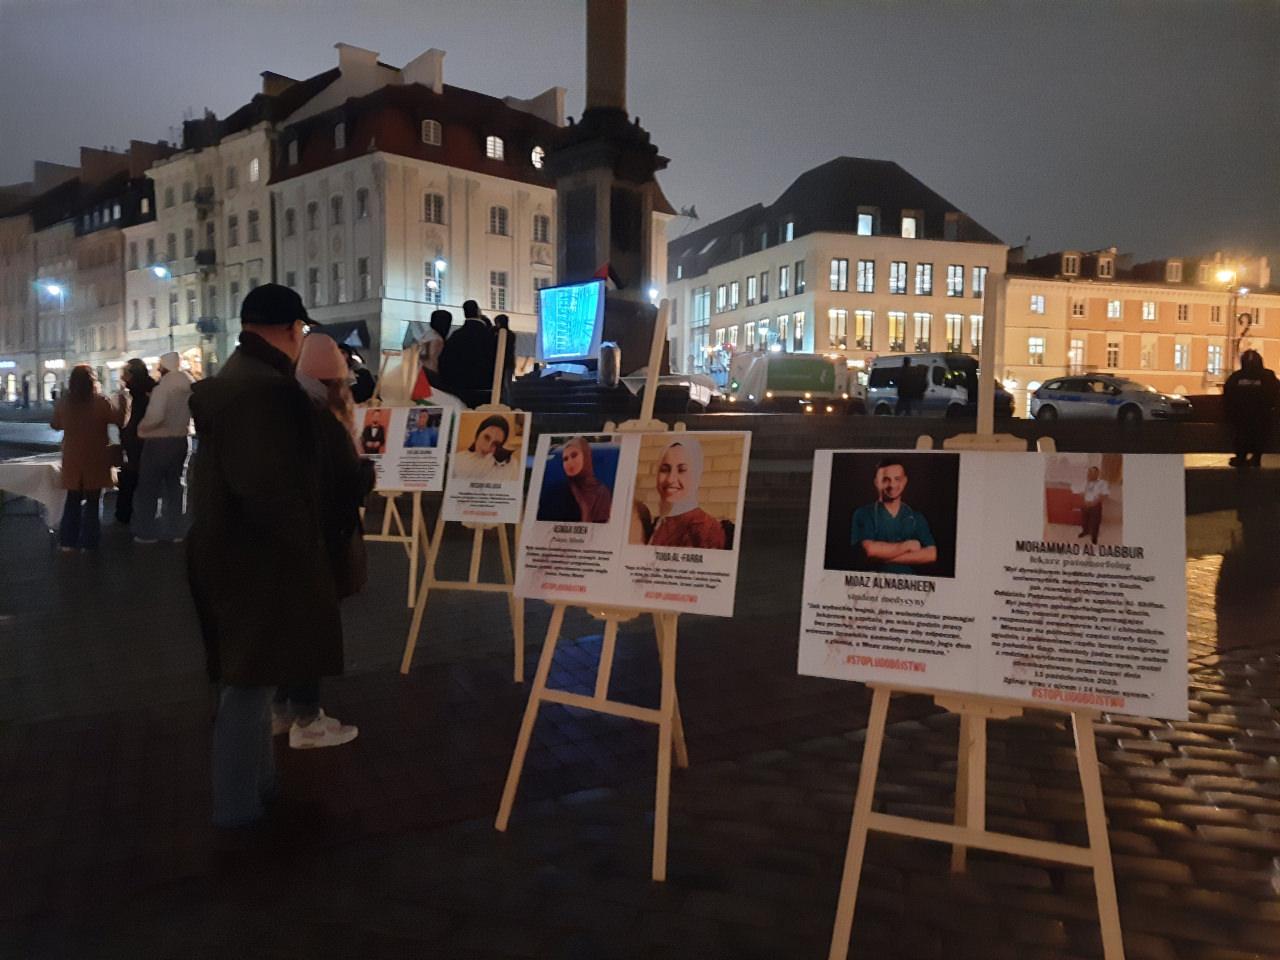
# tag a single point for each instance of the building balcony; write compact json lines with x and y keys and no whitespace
{"x":207,"y":259}
{"x":204,"y":197}
{"x":208,"y":326}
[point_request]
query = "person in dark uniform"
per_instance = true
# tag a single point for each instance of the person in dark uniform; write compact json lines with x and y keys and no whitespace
{"x":910,"y":388}
{"x":1249,"y":401}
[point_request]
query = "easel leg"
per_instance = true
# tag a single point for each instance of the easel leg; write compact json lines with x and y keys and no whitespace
{"x":971,"y":782}
{"x":415,"y":531}
{"x":420,"y":606}
{"x":477,"y":549}
{"x":605,"y":670}
{"x":662,"y":800}
{"x":1104,"y":879}
{"x":530,"y":717}
{"x":661,"y":625}
{"x":858,"y":828}
{"x":514,"y":603}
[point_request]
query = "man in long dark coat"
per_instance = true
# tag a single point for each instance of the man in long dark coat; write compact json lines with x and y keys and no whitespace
{"x":261,"y":579}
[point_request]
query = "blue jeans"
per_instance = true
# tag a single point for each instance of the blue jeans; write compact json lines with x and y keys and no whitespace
{"x":244,"y":767}
{"x":160,"y":486}
{"x":80,"y":526}
{"x":303,"y":697}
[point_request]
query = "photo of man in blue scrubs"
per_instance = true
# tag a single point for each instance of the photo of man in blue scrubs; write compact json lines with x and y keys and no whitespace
{"x":892,"y":536}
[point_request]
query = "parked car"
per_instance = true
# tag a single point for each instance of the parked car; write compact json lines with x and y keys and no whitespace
{"x":950,"y":385}
{"x":1095,"y":396}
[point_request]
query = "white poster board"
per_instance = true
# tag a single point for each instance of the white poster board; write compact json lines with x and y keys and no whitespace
{"x":406,"y":444}
{"x":486,"y":467}
{"x":1058,"y":579}
{"x":645,"y":520}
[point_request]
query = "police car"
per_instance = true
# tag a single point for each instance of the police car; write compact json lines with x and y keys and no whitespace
{"x":1094,"y":396}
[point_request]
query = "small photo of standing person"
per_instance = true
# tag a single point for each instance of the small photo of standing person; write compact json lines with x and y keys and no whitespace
{"x":160,"y":505}
{"x":373,"y":438}
{"x":1095,"y":491}
{"x":83,"y":415}
{"x":1084,"y":498}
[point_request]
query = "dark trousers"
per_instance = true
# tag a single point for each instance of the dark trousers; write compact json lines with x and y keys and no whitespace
{"x":160,"y":486}
{"x":1249,"y":440}
{"x":304,"y":697}
{"x":244,"y":773}
{"x":80,"y":525}
{"x":1091,"y":520}
{"x":128,"y":485}
{"x":905,"y":407}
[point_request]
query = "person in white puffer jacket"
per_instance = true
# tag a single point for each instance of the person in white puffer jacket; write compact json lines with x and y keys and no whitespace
{"x":159,"y":507}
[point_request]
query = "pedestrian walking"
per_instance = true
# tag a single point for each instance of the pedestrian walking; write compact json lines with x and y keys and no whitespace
{"x":135,"y":394}
{"x":160,"y":503}
{"x":346,"y":480}
{"x":83,"y":415}
{"x":1249,"y":399}
{"x":257,"y":562}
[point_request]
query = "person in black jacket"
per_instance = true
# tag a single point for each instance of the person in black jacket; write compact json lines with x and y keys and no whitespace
{"x":466,"y":362}
{"x":137,"y":390}
{"x":257,"y":558}
{"x":1249,"y":399}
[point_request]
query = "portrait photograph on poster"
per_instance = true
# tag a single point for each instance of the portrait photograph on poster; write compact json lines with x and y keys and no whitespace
{"x":422,"y":428}
{"x":687,"y":491}
{"x":373,"y":436}
{"x":487,"y":446}
{"x":893,"y":513}
{"x":579,"y":478}
{"x":1084,"y":498}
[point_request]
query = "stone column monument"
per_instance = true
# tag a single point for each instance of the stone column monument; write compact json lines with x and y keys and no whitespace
{"x":604,"y":167}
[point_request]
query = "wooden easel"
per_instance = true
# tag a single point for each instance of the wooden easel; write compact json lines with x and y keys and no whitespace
{"x":413,"y":536}
{"x":473,"y":583}
{"x":969,"y":826}
{"x":667,"y":716}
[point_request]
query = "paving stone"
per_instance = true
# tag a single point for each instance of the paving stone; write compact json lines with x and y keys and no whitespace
{"x":1186,"y":765}
{"x":1153,"y":868}
{"x":1199,"y":813}
{"x":1260,"y":840}
{"x":1243,"y":801}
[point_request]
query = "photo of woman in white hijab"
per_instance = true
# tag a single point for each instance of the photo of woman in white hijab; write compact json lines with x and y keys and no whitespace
{"x":679,"y":520}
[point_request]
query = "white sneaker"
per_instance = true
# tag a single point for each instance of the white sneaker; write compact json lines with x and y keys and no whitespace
{"x":322,"y":731}
{"x":144,"y":540}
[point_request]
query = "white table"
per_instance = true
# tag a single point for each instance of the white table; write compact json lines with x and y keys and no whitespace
{"x":40,"y":479}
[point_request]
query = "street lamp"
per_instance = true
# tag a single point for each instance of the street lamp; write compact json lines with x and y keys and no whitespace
{"x":1227,"y":277}
{"x":161,"y":271}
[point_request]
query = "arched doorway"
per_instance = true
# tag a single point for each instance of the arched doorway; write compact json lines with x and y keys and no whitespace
{"x":50,"y":384}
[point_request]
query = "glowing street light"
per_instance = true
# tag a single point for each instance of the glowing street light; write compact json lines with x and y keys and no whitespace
{"x":53,"y":289}
{"x":161,"y":271}
{"x":441,"y":264}
{"x":1226,"y":275}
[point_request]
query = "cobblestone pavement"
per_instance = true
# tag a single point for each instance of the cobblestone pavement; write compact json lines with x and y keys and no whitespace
{"x":105,"y":849}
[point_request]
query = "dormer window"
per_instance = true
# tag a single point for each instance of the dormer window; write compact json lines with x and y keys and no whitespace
{"x":788,"y":231}
{"x":867,"y":217}
{"x":1106,"y":268}
{"x":494,"y":148}
{"x":293,"y":153}
{"x":339,"y":136}
{"x":912,"y":224}
{"x":536,"y":156}
{"x":1173,"y":271}
{"x":1070,"y":265}
{"x":431,"y":133}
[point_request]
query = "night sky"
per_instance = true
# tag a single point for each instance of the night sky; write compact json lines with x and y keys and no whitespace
{"x":1151,"y":125}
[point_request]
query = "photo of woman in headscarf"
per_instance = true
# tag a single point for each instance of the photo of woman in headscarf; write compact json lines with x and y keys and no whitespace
{"x":680,"y":521}
{"x":581,"y":496}
{"x":486,"y":456}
